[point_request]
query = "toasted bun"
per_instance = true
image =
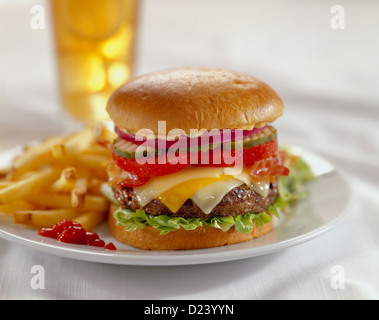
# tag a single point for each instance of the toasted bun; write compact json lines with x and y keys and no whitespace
{"x":194,"y":98}
{"x":205,"y":237}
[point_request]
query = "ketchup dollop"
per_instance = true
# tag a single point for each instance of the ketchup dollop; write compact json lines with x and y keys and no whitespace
{"x":72,"y":232}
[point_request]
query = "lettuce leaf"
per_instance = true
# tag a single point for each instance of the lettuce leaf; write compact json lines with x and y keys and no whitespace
{"x":292,"y":189}
{"x":133,"y":220}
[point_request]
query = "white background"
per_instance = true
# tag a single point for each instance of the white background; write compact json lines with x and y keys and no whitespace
{"x":329,"y":82}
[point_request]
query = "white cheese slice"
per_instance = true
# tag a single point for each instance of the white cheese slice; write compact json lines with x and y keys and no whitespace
{"x":202,"y":197}
{"x":209,"y":196}
{"x":158,"y":185}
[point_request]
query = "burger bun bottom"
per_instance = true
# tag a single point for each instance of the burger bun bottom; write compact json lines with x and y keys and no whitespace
{"x":149,"y":238}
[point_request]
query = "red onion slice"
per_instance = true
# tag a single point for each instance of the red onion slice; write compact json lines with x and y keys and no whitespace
{"x":201,"y":140}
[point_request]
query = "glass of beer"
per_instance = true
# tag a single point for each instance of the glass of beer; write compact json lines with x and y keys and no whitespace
{"x":95,"y":41}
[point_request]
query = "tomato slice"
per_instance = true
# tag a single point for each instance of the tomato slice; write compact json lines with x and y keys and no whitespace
{"x":262,"y":151}
{"x":148,"y":170}
{"x":250,"y":156}
{"x":227,"y":159}
{"x":120,"y":177}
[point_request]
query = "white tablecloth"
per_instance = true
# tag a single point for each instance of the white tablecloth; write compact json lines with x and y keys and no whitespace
{"x":328,"y":80}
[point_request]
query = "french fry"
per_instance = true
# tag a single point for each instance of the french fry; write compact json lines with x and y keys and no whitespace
{"x":58,"y":151}
{"x":94,"y":186}
{"x":44,"y":218}
{"x":78,"y":193}
{"x":16,"y":206}
{"x":33,"y":184}
{"x":21,"y":217}
{"x":4,"y":184}
{"x":35,"y":156}
{"x":26,"y":175}
{"x":93,"y":160}
{"x":99,"y":150}
{"x":79,"y":142}
{"x":59,"y":178}
{"x":66,"y":181}
{"x":96,"y":203}
{"x":51,"y":200}
{"x":91,"y":219}
{"x":4,"y":172}
{"x":94,"y":165}
{"x":102,"y":134}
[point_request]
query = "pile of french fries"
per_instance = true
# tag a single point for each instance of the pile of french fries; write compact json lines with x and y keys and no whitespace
{"x":59,"y":178}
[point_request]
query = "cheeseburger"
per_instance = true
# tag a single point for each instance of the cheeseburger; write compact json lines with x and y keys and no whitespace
{"x":196,"y":161}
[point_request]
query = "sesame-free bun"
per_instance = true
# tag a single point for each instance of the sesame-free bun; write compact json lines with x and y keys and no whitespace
{"x":194,"y":98}
{"x":199,"y":238}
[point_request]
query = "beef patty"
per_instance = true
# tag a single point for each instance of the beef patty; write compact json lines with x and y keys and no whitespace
{"x":240,"y":200}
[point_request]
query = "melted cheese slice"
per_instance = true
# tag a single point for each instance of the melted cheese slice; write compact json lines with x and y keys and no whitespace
{"x":159,"y":185}
{"x":209,"y":196}
{"x":205,"y":186}
{"x":175,"y":197}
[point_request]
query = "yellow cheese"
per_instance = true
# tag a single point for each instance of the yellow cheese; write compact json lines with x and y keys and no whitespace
{"x":205,"y":186}
{"x":159,"y":185}
{"x":175,"y":197}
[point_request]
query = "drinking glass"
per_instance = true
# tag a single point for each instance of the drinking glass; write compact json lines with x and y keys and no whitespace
{"x":95,"y":45}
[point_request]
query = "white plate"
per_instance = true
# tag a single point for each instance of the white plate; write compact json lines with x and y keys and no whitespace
{"x":330,"y":197}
